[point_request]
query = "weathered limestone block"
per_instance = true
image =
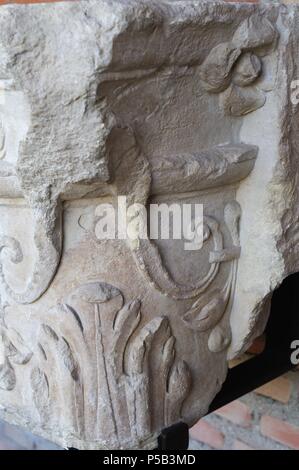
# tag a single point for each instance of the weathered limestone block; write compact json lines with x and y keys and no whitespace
{"x":106,"y":342}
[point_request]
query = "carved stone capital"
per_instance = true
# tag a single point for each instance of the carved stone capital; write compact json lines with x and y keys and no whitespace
{"x":103,"y":343}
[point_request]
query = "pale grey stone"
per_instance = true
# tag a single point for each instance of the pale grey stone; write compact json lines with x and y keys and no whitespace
{"x":103,"y":343}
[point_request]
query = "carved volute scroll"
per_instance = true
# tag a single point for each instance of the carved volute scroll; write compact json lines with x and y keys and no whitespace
{"x":47,"y":215}
{"x":48,"y":242}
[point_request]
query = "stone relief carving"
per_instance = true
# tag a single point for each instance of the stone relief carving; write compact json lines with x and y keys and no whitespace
{"x":47,"y":239}
{"x":227,"y":63}
{"x":134,"y":366}
{"x":232,"y":67}
{"x":13,"y":352}
{"x":226,"y":164}
{"x":208,"y":310}
{"x":2,"y":141}
{"x":141,"y":114}
{"x":147,"y":255}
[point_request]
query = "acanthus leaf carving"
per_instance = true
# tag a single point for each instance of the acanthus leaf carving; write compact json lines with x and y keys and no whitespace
{"x":205,"y":314}
{"x":136,"y":367}
{"x":64,"y":351}
{"x":179,"y":385}
{"x":14,"y":352}
{"x":40,"y":392}
{"x":7,"y":376}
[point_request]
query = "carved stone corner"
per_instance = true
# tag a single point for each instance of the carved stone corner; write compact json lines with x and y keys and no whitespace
{"x":103,"y":343}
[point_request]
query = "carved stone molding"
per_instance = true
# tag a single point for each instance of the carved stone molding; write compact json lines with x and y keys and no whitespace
{"x":103,"y":343}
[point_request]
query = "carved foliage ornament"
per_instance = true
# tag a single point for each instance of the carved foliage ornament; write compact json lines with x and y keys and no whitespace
{"x":233,"y":68}
{"x":129,"y":366}
{"x":13,"y":352}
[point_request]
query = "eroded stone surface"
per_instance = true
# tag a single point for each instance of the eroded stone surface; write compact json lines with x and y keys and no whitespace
{"x":104,"y":343}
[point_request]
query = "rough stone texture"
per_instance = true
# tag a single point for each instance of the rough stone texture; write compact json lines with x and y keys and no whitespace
{"x":104,"y":343}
